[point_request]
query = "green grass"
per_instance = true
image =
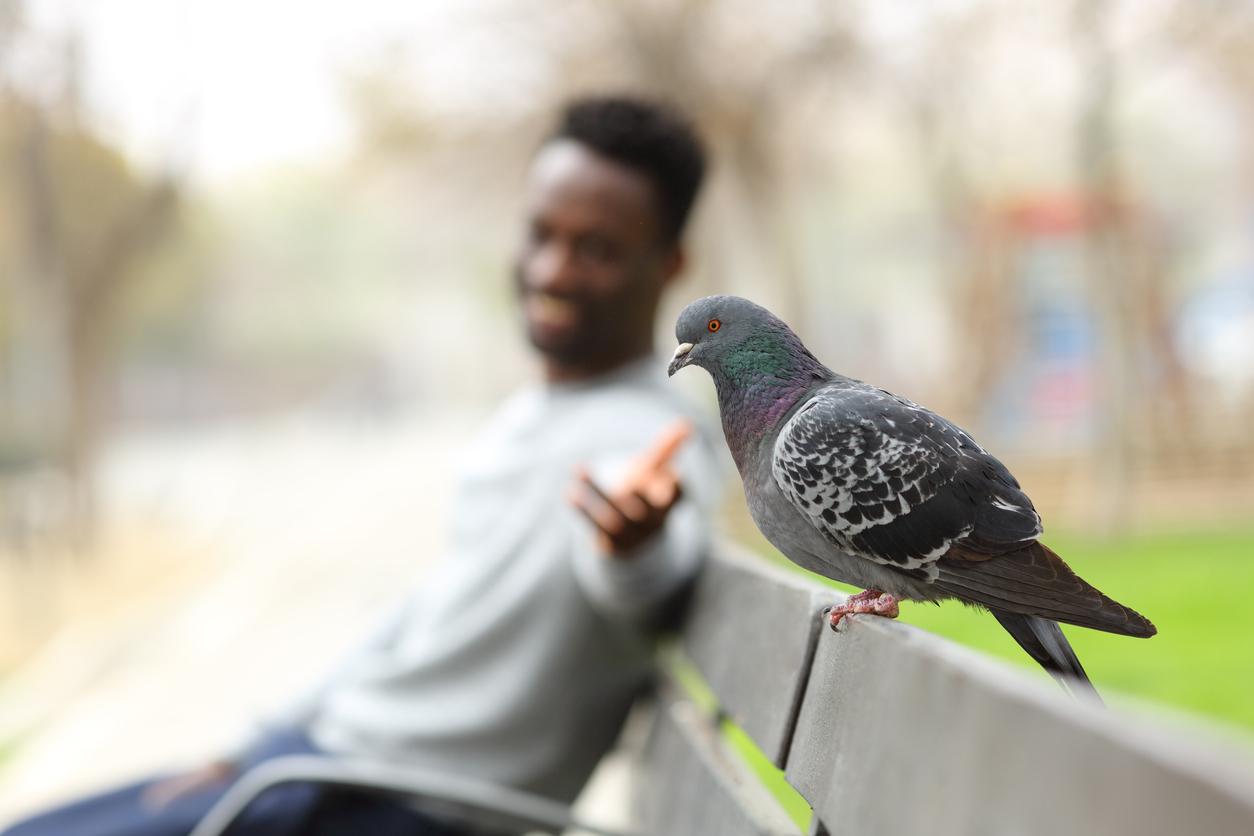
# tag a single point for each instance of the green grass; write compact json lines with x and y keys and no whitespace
{"x":696,"y":689}
{"x":1196,"y":587}
{"x":770,"y":776}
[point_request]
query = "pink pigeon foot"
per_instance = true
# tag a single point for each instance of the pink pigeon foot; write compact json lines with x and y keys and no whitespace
{"x":872,"y":601}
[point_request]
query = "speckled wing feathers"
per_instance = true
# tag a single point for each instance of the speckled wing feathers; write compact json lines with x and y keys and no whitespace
{"x":887,"y":480}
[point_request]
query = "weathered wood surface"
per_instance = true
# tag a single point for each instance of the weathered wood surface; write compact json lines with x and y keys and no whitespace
{"x":884,"y":728}
{"x":694,"y":785}
{"x":750,"y":631}
{"x":905,"y":733}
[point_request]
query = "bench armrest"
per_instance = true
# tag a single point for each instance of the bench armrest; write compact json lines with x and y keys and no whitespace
{"x":460,"y":798}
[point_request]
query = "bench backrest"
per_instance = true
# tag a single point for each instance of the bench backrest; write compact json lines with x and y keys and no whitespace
{"x":896,"y":731}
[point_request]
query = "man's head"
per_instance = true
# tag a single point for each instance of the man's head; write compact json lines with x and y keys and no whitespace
{"x":608,"y":196}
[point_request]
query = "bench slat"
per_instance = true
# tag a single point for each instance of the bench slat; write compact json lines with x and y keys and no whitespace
{"x":692,"y":783}
{"x":904,"y":733}
{"x":750,"y":631}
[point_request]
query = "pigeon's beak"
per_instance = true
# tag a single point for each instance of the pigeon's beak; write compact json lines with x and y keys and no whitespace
{"x":680,"y":358}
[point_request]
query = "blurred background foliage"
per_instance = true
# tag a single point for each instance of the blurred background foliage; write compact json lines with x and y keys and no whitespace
{"x":1036,"y":218}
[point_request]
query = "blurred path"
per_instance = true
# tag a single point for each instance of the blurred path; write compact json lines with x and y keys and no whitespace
{"x":307,"y":529}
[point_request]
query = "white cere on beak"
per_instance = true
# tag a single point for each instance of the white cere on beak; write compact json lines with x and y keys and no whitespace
{"x":681,"y":350}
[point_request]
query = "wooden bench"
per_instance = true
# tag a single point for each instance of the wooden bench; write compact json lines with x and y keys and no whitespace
{"x":885,"y":729}
{"x":881,"y":728}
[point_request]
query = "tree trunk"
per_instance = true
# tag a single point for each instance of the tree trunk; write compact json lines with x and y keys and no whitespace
{"x":1110,"y":278}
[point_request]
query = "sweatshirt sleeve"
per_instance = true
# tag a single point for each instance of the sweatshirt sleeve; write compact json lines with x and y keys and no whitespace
{"x":632,"y":586}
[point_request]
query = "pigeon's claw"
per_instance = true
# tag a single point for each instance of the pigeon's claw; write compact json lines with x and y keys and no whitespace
{"x":873,"y":601}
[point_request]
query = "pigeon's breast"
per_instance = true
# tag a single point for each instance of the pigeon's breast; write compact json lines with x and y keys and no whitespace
{"x":797,"y":539}
{"x":787,"y":530}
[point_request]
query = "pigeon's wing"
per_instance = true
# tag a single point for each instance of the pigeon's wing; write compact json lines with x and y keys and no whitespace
{"x":893,"y":482}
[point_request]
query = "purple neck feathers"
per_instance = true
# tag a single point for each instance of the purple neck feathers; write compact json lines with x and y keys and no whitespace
{"x":758,"y":384}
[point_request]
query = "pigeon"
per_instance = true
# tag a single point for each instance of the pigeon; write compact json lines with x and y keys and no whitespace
{"x":870,"y":489}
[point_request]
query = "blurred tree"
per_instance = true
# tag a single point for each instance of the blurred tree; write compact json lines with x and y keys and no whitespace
{"x":1145,"y":395}
{"x":81,"y":220}
{"x":975,"y":253}
{"x":1217,"y":37}
{"x":1111,"y":280}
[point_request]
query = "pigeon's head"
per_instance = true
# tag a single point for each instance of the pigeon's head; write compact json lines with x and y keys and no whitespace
{"x":712,"y":329}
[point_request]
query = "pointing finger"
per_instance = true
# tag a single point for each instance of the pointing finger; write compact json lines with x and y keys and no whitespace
{"x":664,"y":490}
{"x":667,"y":444}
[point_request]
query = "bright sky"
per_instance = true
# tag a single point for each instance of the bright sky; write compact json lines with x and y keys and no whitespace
{"x":237,"y":84}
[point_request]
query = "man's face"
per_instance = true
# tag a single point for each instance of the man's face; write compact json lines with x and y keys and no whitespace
{"x":592,"y":263}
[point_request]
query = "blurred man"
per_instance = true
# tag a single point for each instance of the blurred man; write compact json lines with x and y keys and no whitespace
{"x":517,"y":664}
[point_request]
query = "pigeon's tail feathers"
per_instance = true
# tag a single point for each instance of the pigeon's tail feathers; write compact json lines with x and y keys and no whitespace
{"x":1035,"y":581}
{"x":1044,"y":641}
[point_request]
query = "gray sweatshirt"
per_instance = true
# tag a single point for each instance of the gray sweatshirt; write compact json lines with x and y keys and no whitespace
{"x":517,"y":661}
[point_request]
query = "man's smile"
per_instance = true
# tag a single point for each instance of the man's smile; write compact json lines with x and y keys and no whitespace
{"x":549,"y":311}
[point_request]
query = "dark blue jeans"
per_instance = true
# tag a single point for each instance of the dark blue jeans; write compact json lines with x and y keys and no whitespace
{"x":286,"y":810}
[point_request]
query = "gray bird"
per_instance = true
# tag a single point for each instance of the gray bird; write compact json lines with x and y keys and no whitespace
{"x":865,"y":487}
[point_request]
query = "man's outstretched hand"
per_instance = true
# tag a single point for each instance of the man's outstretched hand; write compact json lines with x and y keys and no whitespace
{"x":637,"y":508}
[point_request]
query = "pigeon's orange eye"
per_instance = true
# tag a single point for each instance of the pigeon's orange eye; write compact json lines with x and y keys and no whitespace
{"x":713,"y":325}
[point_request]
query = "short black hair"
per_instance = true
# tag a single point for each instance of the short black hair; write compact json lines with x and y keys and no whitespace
{"x":650,"y":137}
